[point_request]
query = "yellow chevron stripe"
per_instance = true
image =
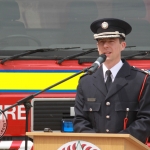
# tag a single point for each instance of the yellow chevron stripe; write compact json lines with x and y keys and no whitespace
{"x":34,"y":81}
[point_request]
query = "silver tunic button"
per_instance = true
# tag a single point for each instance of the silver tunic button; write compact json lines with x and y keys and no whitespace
{"x":107,"y":116}
{"x":90,"y":109}
{"x":107,"y":130}
{"x":107,"y":103}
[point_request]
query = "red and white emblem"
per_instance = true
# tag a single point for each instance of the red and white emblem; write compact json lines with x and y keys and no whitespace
{"x":78,"y":145}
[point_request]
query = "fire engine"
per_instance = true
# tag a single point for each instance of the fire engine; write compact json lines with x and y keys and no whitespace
{"x":44,"y":42}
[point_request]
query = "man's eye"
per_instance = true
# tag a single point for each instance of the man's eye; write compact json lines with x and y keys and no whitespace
{"x":111,"y":41}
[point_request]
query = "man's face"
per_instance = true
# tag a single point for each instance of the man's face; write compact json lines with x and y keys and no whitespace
{"x":112,"y":48}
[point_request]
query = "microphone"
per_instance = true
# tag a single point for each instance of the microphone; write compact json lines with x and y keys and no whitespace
{"x":97,"y":63}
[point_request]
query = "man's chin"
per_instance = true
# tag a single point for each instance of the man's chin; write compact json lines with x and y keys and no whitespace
{"x":108,"y":58}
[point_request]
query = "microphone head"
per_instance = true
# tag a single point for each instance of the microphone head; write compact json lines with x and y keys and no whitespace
{"x":101,"y":59}
{"x":103,"y":56}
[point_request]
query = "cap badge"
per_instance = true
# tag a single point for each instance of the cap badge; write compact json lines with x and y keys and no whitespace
{"x":104,"y":25}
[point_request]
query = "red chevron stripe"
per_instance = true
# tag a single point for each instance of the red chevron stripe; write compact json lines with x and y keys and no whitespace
{"x":15,"y":145}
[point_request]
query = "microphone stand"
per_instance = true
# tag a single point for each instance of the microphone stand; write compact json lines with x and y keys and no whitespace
{"x":26,"y":101}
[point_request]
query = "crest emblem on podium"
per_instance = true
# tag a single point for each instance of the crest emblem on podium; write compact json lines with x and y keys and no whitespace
{"x":78,"y":145}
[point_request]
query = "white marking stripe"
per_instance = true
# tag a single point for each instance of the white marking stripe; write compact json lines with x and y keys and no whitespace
{"x":7,"y":145}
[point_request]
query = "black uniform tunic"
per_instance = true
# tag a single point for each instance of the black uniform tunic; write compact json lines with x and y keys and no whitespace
{"x":97,"y":110}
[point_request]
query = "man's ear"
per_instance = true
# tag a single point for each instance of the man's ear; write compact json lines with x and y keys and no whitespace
{"x":123,"y":45}
{"x":97,"y":46}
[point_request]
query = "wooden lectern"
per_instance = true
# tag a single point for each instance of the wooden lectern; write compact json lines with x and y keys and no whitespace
{"x":53,"y":141}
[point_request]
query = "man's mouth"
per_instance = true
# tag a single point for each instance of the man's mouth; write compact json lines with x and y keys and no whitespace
{"x":107,"y":53}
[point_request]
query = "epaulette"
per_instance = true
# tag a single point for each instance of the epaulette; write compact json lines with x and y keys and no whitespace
{"x":146,"y":71}
{"x":142,"y":70}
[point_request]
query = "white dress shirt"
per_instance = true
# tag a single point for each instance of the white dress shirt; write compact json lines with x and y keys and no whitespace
{"x":114,"y":70}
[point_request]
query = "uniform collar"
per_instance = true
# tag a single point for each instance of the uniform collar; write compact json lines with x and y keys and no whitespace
{"x":114,"y":70}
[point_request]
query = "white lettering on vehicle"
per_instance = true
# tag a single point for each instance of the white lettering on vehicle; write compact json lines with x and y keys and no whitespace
{"x":16,"y":113}
{"x":21,"y":112}
{"x":10,"y":112}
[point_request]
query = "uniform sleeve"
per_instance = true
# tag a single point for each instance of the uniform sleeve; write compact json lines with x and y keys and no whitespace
{"x":140,"y":128}
{"x":81,"y":121}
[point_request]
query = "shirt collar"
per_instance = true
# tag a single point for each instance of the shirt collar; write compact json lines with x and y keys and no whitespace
{"x":114,"y":70}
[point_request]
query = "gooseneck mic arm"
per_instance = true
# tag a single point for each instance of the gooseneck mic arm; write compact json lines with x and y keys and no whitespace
{"x":26,"y":100}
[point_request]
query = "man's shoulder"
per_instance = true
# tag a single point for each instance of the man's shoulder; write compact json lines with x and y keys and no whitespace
{"x":86,"y":77}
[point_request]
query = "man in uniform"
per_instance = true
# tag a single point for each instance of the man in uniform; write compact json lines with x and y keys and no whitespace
{"x":116,"y":98}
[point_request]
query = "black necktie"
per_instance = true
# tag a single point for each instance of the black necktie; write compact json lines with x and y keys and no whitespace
{"x":108,"y":81}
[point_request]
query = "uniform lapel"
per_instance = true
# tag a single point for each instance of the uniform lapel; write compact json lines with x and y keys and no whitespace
{"x":98,"y":81}
{"x":120,"y":80}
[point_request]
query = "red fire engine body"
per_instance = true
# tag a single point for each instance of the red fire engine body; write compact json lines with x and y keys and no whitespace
{"x":16,"y":116}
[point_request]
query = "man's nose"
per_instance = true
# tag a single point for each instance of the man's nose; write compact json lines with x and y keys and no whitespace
{"x":106,"y":44}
